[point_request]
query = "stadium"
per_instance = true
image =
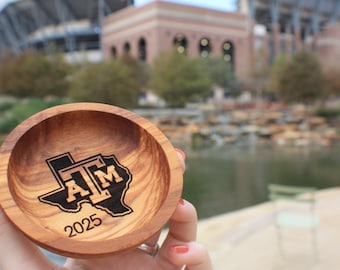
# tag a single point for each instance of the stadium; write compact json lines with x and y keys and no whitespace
{"x":69,"y":25}
{"x":98,"y":29}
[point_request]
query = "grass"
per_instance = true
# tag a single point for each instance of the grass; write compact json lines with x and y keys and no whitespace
{"x":14,"y":111}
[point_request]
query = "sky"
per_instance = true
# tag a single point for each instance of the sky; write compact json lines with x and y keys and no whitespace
{"x":4,"y":2}
{"x":225,"y":5}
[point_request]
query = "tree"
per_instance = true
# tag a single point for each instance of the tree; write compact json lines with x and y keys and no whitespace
{"x":301,"y":79}
{"x":179,"y":79}
{"x":332,"y":82}
{"x":33,"y":74}
{"x":139,"y":70}
{"x":275,"y":72}
{"x":107,"y":82}
{"x":219,"y":71}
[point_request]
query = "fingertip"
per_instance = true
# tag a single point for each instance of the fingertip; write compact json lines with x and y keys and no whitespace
{"x":181,"y":152}
{"x":177,"y":254}
{"x":191,"y":254}
{"x":182,"y":157}
{"x":179,"y":249}
{"x":183,"y":222}
{"x":184,"y":212}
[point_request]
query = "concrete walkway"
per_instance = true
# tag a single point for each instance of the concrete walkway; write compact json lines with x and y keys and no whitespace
{"x":247,"y":239}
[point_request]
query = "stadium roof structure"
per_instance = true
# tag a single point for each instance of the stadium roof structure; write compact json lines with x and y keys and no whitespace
{"x":69,"y":24}
{"x":307,"y":15}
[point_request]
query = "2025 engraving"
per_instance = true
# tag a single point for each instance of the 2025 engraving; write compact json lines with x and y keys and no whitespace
{"x":86,"y":224}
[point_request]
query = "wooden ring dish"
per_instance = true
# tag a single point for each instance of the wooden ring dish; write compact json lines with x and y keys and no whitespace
{"x":86,"y":179}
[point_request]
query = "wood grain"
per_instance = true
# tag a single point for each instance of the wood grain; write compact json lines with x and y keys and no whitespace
{"x":88,"y":179}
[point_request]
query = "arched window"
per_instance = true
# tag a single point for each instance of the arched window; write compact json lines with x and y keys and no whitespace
{"x":142,"y":49}
{"x":126,"y":48}
{"x":181,"y":43}
{"x":228,"y":53}
{"x":113,"y":52}
{"x":204,"y":47}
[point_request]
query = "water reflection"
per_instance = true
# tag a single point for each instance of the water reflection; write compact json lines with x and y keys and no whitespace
{"x":222,"y":179}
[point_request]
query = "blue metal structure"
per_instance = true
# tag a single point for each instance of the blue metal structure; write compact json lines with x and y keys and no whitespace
{"x":307,"y":15}
{"x":299,"y":19}
{"x":67,"y":24}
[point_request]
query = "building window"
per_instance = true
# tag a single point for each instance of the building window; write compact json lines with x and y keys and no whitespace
{"x":126,"y":48}
{"x":204,"y":47}
{"x":113,"y":52}
{"x":142,"y":49}
{"x":181,"y":43}
{"x":228,"y":53}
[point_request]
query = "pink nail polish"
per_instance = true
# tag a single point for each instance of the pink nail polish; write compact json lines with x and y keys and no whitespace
{"x":180,"y":249}
{"x":181,"y":152}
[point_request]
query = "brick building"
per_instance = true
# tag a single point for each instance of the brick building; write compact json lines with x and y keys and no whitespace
{"x":158,"y":26}
{"x":328,"y":46}
{"x":249,"y":38}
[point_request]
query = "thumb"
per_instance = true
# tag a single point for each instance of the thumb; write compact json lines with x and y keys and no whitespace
{"x":16,"y":251}
{"x":194,"y":255}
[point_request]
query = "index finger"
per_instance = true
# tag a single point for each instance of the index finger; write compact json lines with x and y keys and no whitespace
{"x":183,"y":223}
{"x":182,"y":227}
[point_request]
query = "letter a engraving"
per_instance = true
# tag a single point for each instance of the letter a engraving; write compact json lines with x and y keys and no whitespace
{"x":73,"y":189}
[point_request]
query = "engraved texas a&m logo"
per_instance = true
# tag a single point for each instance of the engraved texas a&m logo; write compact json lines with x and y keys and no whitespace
{"x":98,"y":180}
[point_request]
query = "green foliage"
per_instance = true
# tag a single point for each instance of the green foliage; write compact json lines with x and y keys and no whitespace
{"x":6,"y":104}
{"x":301,"y":79}
{"x":175,"y":77}
{"x":219,"y":71}
{"x":32,"y":74}
{"x":276,"y":72}
{"x":179,"y":79}
{"x":328,"y":112}
{"x":332,"y":82}
{"x":22,"y":109}
{"x":139,"y":70}
{"x":107,"y":82}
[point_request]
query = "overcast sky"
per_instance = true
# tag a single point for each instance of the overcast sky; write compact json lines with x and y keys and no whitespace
{"x":225,"y":5}
{"x":4,"y":2}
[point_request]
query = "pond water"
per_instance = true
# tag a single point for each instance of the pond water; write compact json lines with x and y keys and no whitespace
{"x":226,"y":178}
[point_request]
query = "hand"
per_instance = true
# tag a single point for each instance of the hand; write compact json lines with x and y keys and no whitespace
{"x":178,"y":249}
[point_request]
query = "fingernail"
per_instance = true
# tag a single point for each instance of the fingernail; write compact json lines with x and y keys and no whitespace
{"x":181,"y":201}
{"x":181,"y":152}
{"x":180,"y":249}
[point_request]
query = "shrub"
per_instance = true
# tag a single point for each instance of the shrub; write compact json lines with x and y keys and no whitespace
{"x":22,"y":110}
{"x":328,"y":112}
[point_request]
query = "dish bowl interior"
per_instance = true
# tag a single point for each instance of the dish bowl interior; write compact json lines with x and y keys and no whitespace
{"x":77,"y":173}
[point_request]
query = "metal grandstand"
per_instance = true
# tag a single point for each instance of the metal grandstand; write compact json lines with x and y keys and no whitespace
{"x":75,"y":25}
{"x":308,"y":15}
{"x":70,"y":25}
